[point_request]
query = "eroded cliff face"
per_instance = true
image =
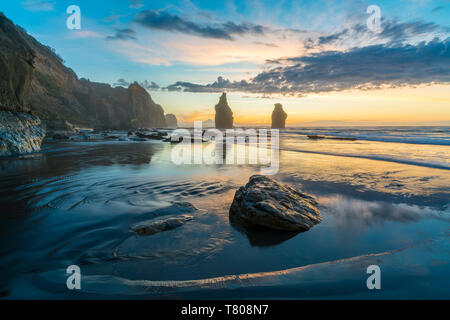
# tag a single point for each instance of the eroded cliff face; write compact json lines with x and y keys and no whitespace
{"x":224,"y":115}
{"x":34,"y":78}
{"x":16,"y":67}
{"x":279,"y":117}
{"x":20,"y":133}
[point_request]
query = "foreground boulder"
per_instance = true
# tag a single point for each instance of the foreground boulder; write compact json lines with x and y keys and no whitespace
{"x":268,"y":203}
{"x":20,"y":133}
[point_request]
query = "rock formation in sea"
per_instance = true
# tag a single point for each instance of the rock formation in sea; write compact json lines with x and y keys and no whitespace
{"x":224,"y":115}
{"x":268,"y":203}
{"x":279,"y":117}
{"x":34,"y":78}
{"x":20,"y":133}
{"x":171,"y":121}
{"x":208,"y":124}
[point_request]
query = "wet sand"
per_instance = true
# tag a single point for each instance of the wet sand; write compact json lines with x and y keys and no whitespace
{"x":75,"y":203}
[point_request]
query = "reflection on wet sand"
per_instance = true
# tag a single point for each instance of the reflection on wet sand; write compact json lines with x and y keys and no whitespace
{"x":262,"y":237}
{"x":76,"y":203}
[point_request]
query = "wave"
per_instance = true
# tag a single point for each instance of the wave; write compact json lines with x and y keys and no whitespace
{"x":377,"y":157}
{"x":421,"y":136}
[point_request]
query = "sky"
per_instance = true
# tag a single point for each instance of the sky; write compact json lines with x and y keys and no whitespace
{"x":326,"y":62}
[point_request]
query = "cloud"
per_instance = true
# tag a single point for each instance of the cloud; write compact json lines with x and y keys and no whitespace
{"x":437,"y":9}
{"x":38,"y":5}
{"x":136,"y":4}
{"x":122,"y":83}
{"x":163,"y":20}
{"x":150,"y":85}
{"x":392,"y":31}
{"x":395,"y":31}
{"x":82,"y":34}
{"x":123,"y":34}
{"x":371,"y":67}
{"x":266,"y":44}
{"x":218,"y":86}
{"x":145,"y":84}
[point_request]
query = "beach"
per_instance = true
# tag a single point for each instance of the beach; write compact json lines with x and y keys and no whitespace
{"x":384,"y":200}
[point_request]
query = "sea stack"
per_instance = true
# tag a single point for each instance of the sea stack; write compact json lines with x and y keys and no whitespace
{"x":279,"y":117}
{"x":224,"y":115}
{"x":171,"y":121}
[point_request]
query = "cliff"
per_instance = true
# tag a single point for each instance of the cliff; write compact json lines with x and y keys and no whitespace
{"x":144,"y":113}
{"x":34,"y":78}
{"x":16,"y":66}
{"x":279,"y":117}
{"x":224,"y":115}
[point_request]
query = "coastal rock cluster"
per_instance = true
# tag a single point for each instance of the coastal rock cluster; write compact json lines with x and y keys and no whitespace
{"x":278,"y":117}
{"x":224,"y":115}
{"x":268,"y":203}
{"x":20,"y":133}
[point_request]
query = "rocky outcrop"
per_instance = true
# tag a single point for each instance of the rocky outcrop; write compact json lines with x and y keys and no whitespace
{"x":34,"y":78}
{"x":224,"y":115}
{"x":149,"y":227}
{"x":144,"y":112}
{"x":171,"y":121}
{"x":20,"y":133}
{"x":279,"y":117}
{"x":268,"y":203}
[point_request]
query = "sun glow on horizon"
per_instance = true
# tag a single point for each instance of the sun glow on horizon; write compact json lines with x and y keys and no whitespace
{"x":397,"y":105}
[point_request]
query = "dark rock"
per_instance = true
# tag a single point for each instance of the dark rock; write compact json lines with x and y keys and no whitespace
{"x":279,"y":117}
{"x":153,"y":136}
{"x":224,"y":115}
{"x":149,"y":227}
{"x":20,"y":133}
{"x":315,"y":137}
{"x":318,"y":137}
{"x":268,"y":203}
{"x":60,"y":136}
{"x":110,"y":137}
{"x":171,"y":121}
{"x":59,"y":125}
